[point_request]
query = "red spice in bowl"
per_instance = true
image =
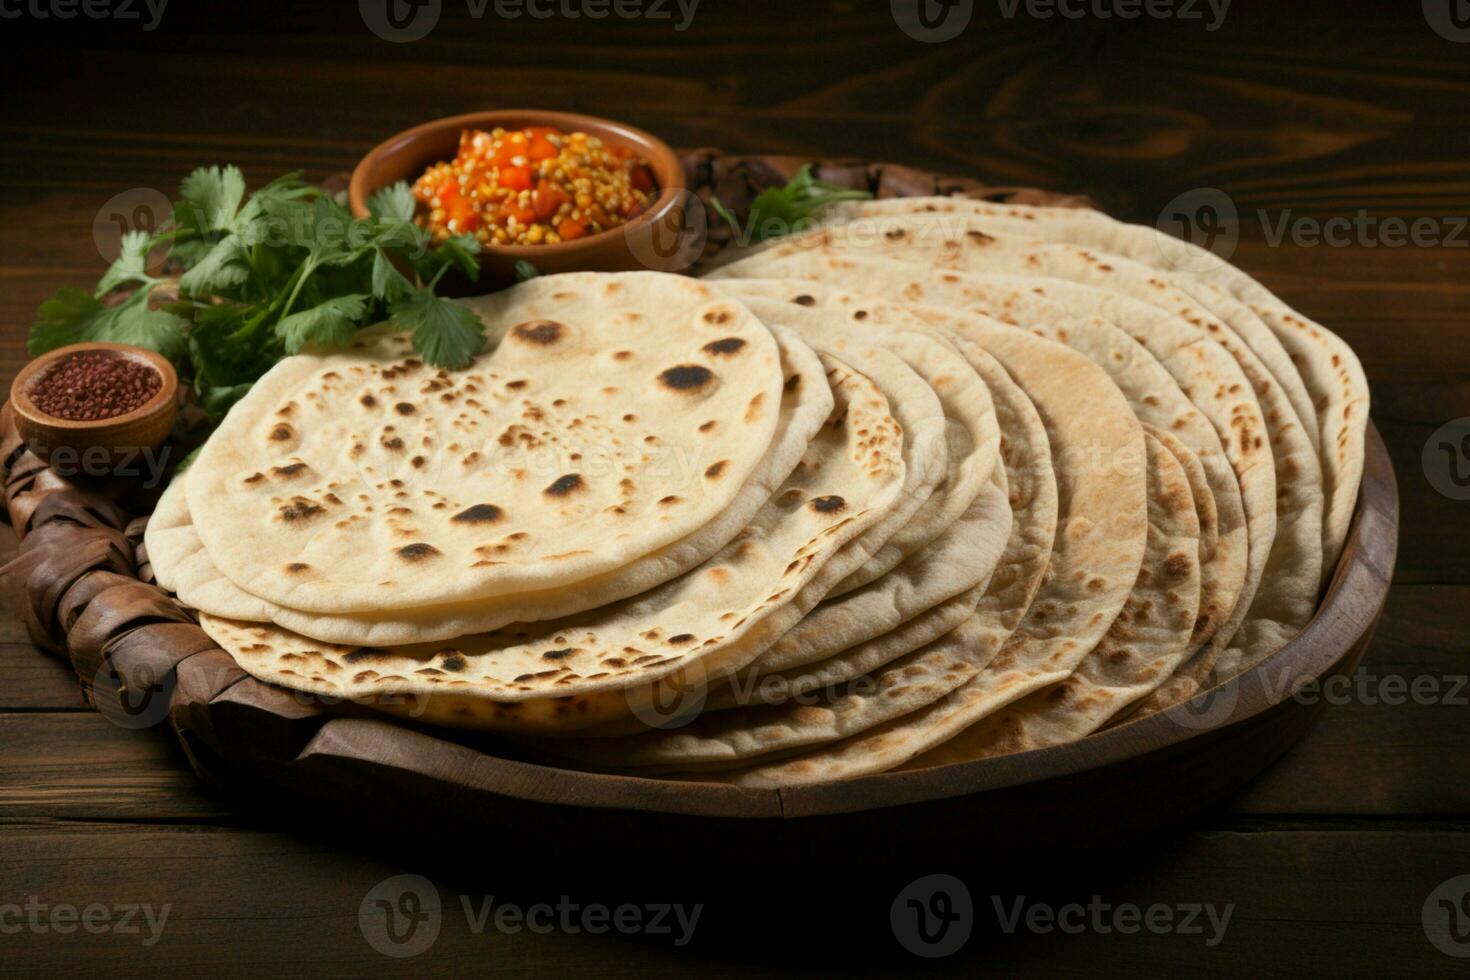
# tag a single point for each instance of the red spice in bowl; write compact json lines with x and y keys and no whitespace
{"x":93,"y":396}
{"x":92,"y":385}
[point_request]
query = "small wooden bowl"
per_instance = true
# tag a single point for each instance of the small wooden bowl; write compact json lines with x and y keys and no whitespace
{"x":649,"y":241}
{"x":121,"y":437}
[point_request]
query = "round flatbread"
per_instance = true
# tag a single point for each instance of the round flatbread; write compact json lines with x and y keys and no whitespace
{"x":1150,"y":637}
{"x":1276,"y":470}
{"x":1333,"y":389}
{"x":1097,"y":447}
{"x":869,"y":684}
{"x":607,"y":662}
{"x":1153,"y":393}
{"x":971,"y":436}
{"x":611,"y":416}
{"x":183,"y":565}
{"x":1133,"y":242}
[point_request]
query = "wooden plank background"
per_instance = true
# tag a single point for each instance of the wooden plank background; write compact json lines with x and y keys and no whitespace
{"x":1304,"y":111}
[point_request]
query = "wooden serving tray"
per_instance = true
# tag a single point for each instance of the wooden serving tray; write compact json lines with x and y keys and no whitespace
{"x":82,"y":584}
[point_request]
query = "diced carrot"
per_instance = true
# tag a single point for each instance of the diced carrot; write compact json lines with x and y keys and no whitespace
{"x":570,"y":229}
{"x":463,"y":213}
{"x":516,"y":178}
{"x":548,"y":198}
{"x":541,"y":148}
{"x":524,"y":215}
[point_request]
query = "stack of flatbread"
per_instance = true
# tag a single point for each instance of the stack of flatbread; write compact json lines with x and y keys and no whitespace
{"x":934,"y":481}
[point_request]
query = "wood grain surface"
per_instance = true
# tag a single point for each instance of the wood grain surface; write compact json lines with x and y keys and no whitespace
{"x":1299,"y":112}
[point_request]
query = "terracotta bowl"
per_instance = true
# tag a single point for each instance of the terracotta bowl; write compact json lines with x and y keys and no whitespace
{"x":121,"y":437}
{"x":646,"y":242}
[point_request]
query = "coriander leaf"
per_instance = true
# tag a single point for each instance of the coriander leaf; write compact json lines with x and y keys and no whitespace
{"x":333,"y":236}
{"x":460,"y":251}
{"x":326,"y":230}
{"x":330,"y":323}
{"x":224,"y":265}
{"x":265,"y":218}
{"x":388,"y":283}
{"x":392,"y":209}
{"x":210,"y":197}
{"x":780,"y":211}
{"x":288,"y":187}
{"x":225,"y":347}
{"x":73,"y":316}
{"x":131,"y":264}
{"x":216,"y":401}
{"x":270,"y":269}
{"x":63,"y":319}
{"x":279,"y":222}
{"x":525,"y":270}
{"x":393,"y":203}
{"x":156,"y":330}
{"x":188,"y":251}
{"x":445,"y":334}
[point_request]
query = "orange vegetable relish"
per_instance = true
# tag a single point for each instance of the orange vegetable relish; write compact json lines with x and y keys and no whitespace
{"x":533,"y":186}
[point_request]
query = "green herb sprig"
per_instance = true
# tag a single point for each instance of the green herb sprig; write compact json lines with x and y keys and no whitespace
{"x":778,"y":211}
{"x":265,"y":276}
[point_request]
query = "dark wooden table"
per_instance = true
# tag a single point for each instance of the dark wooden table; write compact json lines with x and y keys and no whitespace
{"x":1301,"y":113}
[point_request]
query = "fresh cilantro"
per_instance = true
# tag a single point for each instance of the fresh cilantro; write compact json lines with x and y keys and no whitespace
{"x":393,"y":203}
{"x":778,"y":211}
{"x":444,"y":332}
{"x":461,"y":251}
{"x":331,"y":323}
{"x":226,"y":264}
{"x":133,"y":323}
{"x":388,"y":283}
{"x":525,"y":270}
{"x":210,"y":197}
{"x":255,"y":278}
{"x":131,"y":265}
{"x":64,"y":319}
{"x":73,"y":316}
